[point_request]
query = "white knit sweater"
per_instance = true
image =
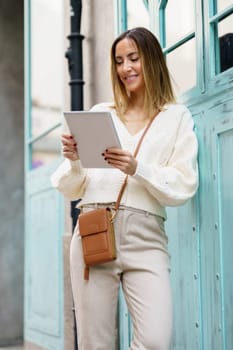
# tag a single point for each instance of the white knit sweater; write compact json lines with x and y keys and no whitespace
{"x":166,"y":175}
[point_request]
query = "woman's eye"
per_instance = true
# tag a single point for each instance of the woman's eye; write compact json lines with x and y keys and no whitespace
{"x":131,"y":59}
{"x":118,"y":62}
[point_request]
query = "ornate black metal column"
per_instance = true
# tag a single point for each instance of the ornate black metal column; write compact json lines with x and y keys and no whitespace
{"x":74,"y":55}
{"x":75,"y":62}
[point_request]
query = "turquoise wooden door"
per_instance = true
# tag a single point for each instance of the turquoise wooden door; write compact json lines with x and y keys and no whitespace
{"x":44,"y":207}
{"x":199,"y":51}
{"x":216,"y":207}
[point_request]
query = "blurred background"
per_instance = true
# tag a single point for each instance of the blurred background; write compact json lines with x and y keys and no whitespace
{"x":55,"y":57}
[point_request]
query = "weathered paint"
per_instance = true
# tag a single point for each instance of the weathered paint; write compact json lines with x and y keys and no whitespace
{"x":216,"y":209}
{"x":43,"y":262}
{"x":200,"y":241}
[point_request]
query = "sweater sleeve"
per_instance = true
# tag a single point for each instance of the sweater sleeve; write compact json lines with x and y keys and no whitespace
{"x":70,"y":179}
{"x":177,"y":181}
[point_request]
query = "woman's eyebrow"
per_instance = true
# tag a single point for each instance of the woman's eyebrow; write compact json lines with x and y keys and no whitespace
{"x":129,"y":55}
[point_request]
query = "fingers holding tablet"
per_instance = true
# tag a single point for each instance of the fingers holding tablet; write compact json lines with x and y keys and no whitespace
{"x":69,"y":147}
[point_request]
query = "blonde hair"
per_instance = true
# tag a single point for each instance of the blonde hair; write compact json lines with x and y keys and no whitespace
{"x":158,"y":87}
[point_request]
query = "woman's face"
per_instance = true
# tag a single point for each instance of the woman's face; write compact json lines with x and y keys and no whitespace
{"x":129,"y":67}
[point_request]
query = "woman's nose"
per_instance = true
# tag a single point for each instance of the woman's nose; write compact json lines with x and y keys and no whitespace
{"x":126,"y":65}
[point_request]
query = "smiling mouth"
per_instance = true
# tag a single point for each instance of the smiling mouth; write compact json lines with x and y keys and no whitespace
{"x":130,"y":78}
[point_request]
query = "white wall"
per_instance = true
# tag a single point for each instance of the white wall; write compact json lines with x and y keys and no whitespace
{"x":98,"y":27}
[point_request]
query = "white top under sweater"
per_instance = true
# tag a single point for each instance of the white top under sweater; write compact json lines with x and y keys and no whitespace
{"x":166,"y":174}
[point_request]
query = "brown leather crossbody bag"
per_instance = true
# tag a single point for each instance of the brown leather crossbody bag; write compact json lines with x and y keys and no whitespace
{"x":96,"y":228}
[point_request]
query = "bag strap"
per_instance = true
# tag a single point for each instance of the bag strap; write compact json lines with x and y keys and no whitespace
{"x":117,"y":204}
{"x":122,"y":189}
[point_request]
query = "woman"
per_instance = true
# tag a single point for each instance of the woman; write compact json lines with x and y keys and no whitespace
{"x":163,"y":174}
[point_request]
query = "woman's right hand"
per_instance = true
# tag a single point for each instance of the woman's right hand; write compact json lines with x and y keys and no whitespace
{"x":69,"y":147}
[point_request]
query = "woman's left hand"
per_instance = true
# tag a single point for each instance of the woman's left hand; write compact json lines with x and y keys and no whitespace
{"x":121,"y":159}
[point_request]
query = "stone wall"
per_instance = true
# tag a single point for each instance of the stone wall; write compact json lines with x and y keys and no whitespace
{"x":11,"y":172}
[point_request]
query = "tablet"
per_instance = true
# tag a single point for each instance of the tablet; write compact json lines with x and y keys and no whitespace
{"x":94,"y":133}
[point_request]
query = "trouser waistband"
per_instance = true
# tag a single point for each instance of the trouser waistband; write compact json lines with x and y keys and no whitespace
{"x":112,"y":207}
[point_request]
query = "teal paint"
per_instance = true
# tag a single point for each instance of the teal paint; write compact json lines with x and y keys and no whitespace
{"x":180,"y":42}
{"x":44,"y":216}
{"x":199,"y":34}
{"x":124,"y":18}
{"x":200,"y":232}
{"x":183,"y":232}
{"x":162,"y":27}
{"x":226,"y":238}
{"x":200,"y":238}
{"x":124,"y":325}
{"x":146,"y":4}
{"x":43,"y":262}
{"x":200,"y":241}
{"x":215,"y":134}
{"x":121,"y":9}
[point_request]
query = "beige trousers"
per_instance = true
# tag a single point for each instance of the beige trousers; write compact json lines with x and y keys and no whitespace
{"x":142,"y":267}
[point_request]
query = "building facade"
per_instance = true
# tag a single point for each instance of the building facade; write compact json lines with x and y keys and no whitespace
{"x":11,"y":173}
{"x":196,"y":37}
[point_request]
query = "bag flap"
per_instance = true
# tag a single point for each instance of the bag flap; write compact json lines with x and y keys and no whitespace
{"x":94,"y":221}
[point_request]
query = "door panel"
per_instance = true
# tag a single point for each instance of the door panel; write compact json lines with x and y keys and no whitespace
{"x":182,"y":229}
{"x":226,"y":212}
{"x":44,"y":214}
{"x":223,"y":127}
{"x":216,"y":203}
{"x":43,"y":261}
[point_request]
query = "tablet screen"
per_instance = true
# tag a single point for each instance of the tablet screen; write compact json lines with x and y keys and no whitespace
{"x":94,"y":133}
